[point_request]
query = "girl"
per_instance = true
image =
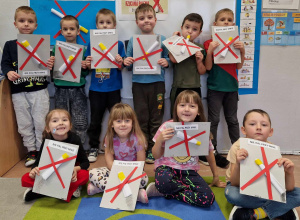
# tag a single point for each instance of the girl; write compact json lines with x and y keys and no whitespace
{"x":58,"y":127}
{"x":125,"y":141}
{"x":177,"y":177}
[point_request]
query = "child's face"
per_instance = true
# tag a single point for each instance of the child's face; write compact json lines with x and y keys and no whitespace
{"x":59,"y":126}
{"x":191,"y":28}
{"x":105,"y":22}
{"x":187,"y":111}
{"x":225,"y":19}
{"x":69,"y":31}
{"x":25,"y":22}
{"x":146,"y":22}
{"x":257,"y":127}
{"x":122,"y":127}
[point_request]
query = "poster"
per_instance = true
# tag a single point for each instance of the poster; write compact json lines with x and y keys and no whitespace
{"x":281,"y":4}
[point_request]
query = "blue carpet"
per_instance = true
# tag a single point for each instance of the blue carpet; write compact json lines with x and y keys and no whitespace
{"x":158,"y":208}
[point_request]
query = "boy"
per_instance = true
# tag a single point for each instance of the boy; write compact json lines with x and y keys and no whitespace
{"x":148,"y":90}
{"x":105,"y":85}
{"x":222,"y":84}
{"x":71,"y":95}
{"x":186,"y":73}
{"x":257,"y":125}
{"x":30,"y":96}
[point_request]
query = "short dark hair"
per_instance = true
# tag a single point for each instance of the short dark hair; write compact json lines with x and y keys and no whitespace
{"x":194,"y":17}
{"x":143,"y":8}
{"x":70,"y":18}
{"x":106,"y":11}
{"x":27,"y":10}
{"x":260,"y":111}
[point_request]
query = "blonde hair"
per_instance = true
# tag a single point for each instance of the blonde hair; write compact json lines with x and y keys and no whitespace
{"x":123,"y":111}
{"x":144,"y":8}
{"x":47,"y":132}
{"x":224,"y":10}
{"x":69,"y":18}
{"x":105,"y":11}
{"x":25,"y":9}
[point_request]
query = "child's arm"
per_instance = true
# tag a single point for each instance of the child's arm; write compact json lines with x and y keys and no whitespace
{"x":74,"y":175}
{"x":141,"y":155}
{"x":209,"y":56}
{"x":241,"y":154}
{"x":240,"y":45}
{"x":200,"y":66}
{"x":109,"y":158}
{"x":35,"y":171}
{"x":119,"y":60}
{"x":129,"y":60}
{"x":158,"y":150}
{"x":165,"y":60}
{"x":212,"y":163}
{"x":50,"y":62}
{"x":172,"y":58}
{"x":289,"y":173}
{"x":7,"y":63}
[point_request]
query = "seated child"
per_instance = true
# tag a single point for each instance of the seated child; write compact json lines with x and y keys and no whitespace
{"x":58,"y":128}
{"x":257,"y":125}
{"x":125,"y":141}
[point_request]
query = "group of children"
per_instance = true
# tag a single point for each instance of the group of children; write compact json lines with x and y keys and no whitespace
{"x":132,"y":133}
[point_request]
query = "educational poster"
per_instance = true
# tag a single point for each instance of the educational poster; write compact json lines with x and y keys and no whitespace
{"x":225,"y":52}
{"x":104,"y":48}
{"x":250,"y":36}
{"x":260,"y":176}
{"x":180,"y":48}
{"x":280,"y":28}
{"x":55,"y":182}
{"x":67,"y":65}
{"x":146,"y":52}
{"x":281,"y":4}
{"x":33,"y":53}
{"x":126,"y":8}
{"x":190,"y":139}
{"x":123,"y":185}
{"x":49,"y":14}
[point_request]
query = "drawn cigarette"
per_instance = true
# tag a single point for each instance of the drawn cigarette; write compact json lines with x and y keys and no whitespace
{"x":61,"y":16}
{"x":126,"y":189}
{"x":184,"y":47}
{"x":26,"y":44}
{"x":152,"y":47}
{"x":103,"y":48}
{"x":64,"y":66}
{"x":180,"y":135}
{"x":50,"y":170}
{"x":274,"y":181}
{"x":224,"y":52}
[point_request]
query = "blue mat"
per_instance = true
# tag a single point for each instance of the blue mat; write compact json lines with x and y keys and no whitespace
{"x":158,"y":208}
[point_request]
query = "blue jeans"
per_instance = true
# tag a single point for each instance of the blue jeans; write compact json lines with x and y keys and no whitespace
{"x":272,"y":208}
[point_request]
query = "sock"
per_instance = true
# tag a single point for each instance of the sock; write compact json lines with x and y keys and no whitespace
{"x":260,"y":213}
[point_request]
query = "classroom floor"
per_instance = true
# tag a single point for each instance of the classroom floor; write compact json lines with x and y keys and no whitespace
{"x":19,"y":169}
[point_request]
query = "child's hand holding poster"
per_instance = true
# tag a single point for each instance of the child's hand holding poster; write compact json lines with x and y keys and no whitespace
{"x":190,"y":139}
{"x":260,"y":176}
{"x":225,"y":52}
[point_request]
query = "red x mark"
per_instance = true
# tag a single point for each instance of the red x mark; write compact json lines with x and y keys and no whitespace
{"x":52,"y":164}
{"x":266,"y":170}
{"x":146,"y":55}
{"x":156,"y":4}
{"x":104,"y":55}
{"x":71,"y":63}
{"x":121,"y":185}
{"x":186,"y":140}
{"x":31,"y":54}
{"x":58,"y":33}
{"x":186,"y":45}
{"x":226,"y":46}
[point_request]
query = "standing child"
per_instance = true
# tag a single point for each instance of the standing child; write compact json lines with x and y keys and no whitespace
{"x":148,"y":90}
{"x":187,"y":72}
{"x":176,"y":177}
{"x":30,"y":96}
{"x":222,"y":84}
{"x":124,"y":141}
{"x":105,"y":85}
{"x":71,"y":95}
{"x":257,"y":125}
{"x":58,"y":128}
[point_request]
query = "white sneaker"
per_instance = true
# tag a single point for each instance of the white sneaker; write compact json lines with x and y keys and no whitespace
{"x":100,"y":151}
{"x":233,"y":211}
{"x":142,"y":196}
{"x":93,"y":155}
{"x":77,"y":192}
{"x":152,"y":191}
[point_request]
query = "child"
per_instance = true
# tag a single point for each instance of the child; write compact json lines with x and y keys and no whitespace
{"x":125,"y":141}
{"x":71,"y":95}
{"x":222,"y":84}
{"x":58,"y":128}
{"x":186,"y":73}
{"x":30,"y":96}
{"x":148,"y":90}
{"x":105,"y":85}
{"x":175,"y":177}
{"x":257,"y":125}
